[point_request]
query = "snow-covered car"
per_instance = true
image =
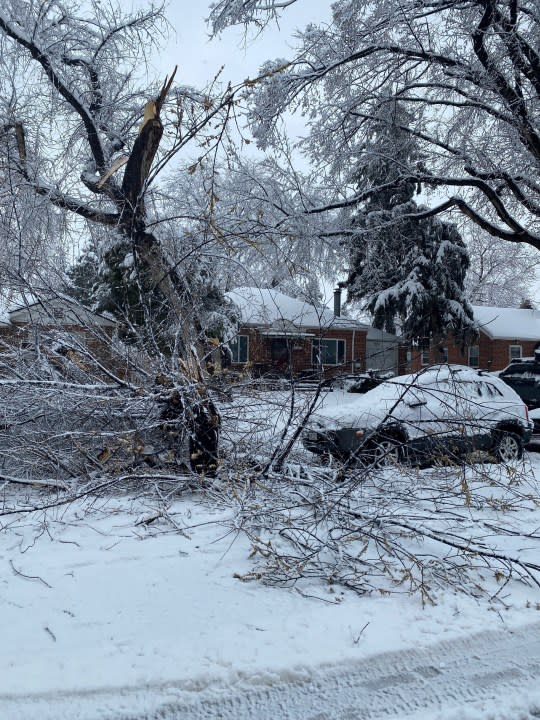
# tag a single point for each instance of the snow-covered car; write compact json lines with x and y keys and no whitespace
{"x":445,"y":411}
{"x":523,"y":376}
{"x":359,"y":382}
{"x":535,"y":417}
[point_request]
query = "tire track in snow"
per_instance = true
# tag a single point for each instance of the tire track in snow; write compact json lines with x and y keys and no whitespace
{"x":488,"y":665}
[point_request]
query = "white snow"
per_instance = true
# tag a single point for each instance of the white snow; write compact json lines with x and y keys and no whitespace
{"x":417,"y":399}
{"x":265,"y":306}
{"x":508,"y":323}
{"x":106,"y":617}
{"x":93,"y":602}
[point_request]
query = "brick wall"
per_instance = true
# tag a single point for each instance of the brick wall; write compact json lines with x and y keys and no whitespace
{"x":499,"y":356}
{"x":493,"y":354}
{"x":260,"y":352}
{"x":96,"y":339}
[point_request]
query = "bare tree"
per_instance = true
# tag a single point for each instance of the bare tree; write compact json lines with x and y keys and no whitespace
{"x":239,"y":12}
{"x":469,"y":74}
{"x":499,"y":275}
{"x":248,"y":218}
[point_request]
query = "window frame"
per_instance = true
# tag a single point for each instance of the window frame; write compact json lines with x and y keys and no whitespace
{"x":316,"y":358}
{"x":236,"y":343}
{"x":477,"y":346}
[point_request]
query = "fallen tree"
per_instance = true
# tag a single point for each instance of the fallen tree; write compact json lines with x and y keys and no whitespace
{"x":72,"y":95}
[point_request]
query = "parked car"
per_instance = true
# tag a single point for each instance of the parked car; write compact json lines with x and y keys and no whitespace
{"x":447,"y":410}
{"x":535,"y":417}
{"x":523,"y":376}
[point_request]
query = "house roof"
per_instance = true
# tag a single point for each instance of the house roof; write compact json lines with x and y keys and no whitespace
{"x":508,"y":323}
{"x":269,"y":307}
{"x":17,"y":307}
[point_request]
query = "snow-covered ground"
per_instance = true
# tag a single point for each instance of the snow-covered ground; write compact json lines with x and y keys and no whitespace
{"x":105,"y":616}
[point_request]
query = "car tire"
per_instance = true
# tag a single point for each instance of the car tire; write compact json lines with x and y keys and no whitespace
{"x":385,"y":452}
{"x":508,"y":447}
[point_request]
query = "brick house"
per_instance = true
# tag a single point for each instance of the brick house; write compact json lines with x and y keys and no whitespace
{"x":504,"y":334}
{"x":283,"y":335}
{"x":28,"y":322}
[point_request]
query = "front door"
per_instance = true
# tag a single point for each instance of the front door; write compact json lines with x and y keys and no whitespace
{"x":281,"y":354}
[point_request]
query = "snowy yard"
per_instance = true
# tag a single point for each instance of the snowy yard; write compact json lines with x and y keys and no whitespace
{"x":108,"y":616}
{"x":171,"y":549}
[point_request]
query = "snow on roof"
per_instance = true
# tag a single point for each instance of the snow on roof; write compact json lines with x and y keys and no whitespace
{"x":13,"y":302}
{"x":508,"y":323}
{"x":265,"y":306}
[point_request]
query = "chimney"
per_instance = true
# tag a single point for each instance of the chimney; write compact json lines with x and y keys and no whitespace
{"x":337,"y":301}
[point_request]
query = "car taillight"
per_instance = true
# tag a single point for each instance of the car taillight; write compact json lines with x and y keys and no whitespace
{"x":526,"y":412}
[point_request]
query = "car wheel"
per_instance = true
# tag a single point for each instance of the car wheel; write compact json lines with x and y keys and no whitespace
{"x":385,"y":452}
{"x":508,"y":447}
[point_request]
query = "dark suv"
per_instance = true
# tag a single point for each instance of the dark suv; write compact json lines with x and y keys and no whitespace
{"x":523,"y":376}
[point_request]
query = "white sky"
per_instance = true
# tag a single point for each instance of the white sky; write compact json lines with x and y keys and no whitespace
{"x":199,"y":58}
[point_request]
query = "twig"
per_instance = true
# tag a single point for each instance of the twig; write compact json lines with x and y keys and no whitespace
{"x":50,"y":632}
{"x":29,"y":577}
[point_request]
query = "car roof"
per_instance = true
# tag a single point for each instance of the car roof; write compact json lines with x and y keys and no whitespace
{"x":438,"y":373}
{"x":453,"y":373}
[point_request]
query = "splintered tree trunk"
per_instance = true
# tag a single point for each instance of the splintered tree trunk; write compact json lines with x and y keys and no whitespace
{"x":201,"y":418}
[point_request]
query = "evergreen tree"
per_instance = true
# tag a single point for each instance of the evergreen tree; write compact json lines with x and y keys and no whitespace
{"x":83,"y":277}
{"x":407,"y":271}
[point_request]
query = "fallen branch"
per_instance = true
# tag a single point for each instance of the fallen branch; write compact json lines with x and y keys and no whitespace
{"x":29,"y":577}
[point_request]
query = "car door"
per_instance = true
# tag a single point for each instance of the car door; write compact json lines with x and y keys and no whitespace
{"x":474,"y":400}
{"x":442,"y":420}
{"x":494,"y":408}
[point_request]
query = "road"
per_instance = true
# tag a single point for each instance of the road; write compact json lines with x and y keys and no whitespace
{"x":494,"y":669}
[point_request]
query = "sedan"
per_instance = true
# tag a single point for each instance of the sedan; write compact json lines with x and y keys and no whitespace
{"x":445,"y":411}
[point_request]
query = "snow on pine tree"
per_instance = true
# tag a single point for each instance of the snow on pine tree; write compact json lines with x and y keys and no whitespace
{"x":407,"y":270}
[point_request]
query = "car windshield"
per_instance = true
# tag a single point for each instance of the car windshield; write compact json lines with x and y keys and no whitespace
{"x":520,"y":369}
{"x":406,"y":388}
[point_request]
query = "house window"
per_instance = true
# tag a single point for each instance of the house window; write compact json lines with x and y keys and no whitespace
{"x":424,"y":351}
{"x":443,"y":355}
{"x":239,"y":349}
{"x":474,"y":356}
{"x":515,"y":352}
{"x":328,"y":352}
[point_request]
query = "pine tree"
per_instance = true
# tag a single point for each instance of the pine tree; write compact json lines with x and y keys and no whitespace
{"x":406,"y":271}
{"x":83,"y":277}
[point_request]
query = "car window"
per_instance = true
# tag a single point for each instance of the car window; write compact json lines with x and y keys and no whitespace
{"x":520,"y":369}
{"x":491,"y":391}
{"x":469,"y":390}
{"x":441,"y":398}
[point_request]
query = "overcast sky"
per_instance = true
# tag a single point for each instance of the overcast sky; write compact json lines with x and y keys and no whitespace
{"x":199,"y":58}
